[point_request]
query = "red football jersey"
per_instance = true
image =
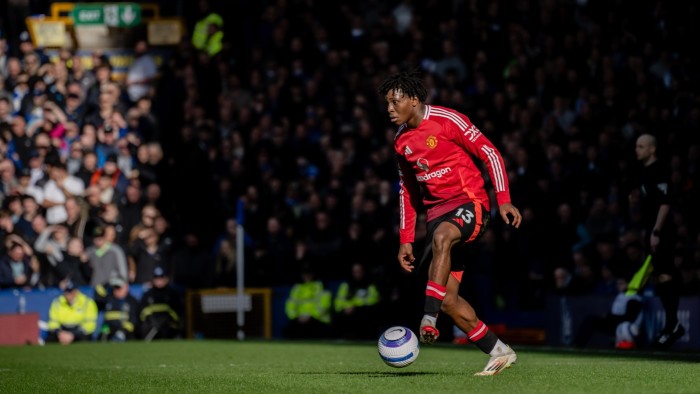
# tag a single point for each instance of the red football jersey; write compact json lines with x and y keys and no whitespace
{"x":436,"y":166}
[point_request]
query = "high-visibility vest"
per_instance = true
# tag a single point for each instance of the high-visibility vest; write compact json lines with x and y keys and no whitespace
{"x":361,"y":297}
{"x":309,"y":299}
{"x":200,"y":36}
{"x":81,"y":313}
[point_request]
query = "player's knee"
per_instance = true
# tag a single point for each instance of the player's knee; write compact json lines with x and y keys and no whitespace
{"x":442,"y":242}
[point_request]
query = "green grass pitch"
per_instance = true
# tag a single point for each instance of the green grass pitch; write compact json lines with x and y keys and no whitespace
{"x":257,"y":366}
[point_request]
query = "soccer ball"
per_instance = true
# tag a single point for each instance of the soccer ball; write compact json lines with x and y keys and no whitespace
{"x":398,"y":347}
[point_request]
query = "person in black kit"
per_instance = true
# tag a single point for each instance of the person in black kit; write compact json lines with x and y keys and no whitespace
{"x":160,"y":309}
{"x":120,"y":312}
{"x":659,"y":236}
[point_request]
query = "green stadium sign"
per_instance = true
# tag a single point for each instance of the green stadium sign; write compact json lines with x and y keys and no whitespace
{"x":113,"y":15}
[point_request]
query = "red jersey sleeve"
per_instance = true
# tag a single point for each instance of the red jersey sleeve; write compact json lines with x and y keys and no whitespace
{"x":474,"y":142}
{"x":408,"y":197}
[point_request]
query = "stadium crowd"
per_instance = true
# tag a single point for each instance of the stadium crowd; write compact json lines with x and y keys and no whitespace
{"x":98,"y":180}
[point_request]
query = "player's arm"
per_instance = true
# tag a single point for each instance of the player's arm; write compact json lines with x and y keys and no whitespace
{"x":474,"y":142}
{"x":408,"y":200}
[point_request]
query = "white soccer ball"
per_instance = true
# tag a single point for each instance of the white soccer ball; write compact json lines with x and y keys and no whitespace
{"x":398,"y":347}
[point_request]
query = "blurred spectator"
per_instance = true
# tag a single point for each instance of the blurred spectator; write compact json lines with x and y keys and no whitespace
{"x":18,"y":267}
{"x":274,"y":254}
{"x":148,"y":215}
{"x":145,"y":254}
{"x":87,"y":168}
{"x":5,"y":108}
{"x":125,"y":161}
{"x":129,"y":207}
{"x":103,"y":77}
{"x":3,"y":58}
{"x":74,"y":105}
{"x":74,"y":159}
{"x":32,"y":105}
{"x":106,"y":259}
{"x":20,"y":146}
{"x":142,"y":122}
{"x":78,"y":73}
{"x":144,"y":169}
{"x":110,"y":180}
{"x":52,"y":244}
{"x":55,"y":191}
{"x":308,"y":307}
{"x":356,"y":306}
{"x":72,"y":316}
{"x":75,"y":264}
{"x":160,"y":309}
{"x":77,"y":216}
{"x":142,"y":73}
{"x":225,"y":254}
{"x":120,"y":310}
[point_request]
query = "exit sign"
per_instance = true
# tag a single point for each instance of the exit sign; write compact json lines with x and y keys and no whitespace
{"x":113,"y":15}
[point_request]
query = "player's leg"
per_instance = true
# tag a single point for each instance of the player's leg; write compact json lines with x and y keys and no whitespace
{"x":464,"y":316}
{"x":443,"y":238}
{"x":466,"y":223}
{"x":669,"y":294}
{"x":457,"y":307}
{"x":668,"y":290}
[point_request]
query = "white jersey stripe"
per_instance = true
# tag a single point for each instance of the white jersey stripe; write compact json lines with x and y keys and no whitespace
{"x":455,"y":117}
{"x":452,"y":116}
{"x":402,"y":207}
{"x":499,"y":182}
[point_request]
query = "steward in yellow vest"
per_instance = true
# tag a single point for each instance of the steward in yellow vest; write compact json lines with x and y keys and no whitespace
{"x":356,"y":303}
{"x":308,"y":308}
{"x":208,"y":34}
{"x":72,"y":316}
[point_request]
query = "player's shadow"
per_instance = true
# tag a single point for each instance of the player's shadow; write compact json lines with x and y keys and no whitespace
{"x":375,"y":374}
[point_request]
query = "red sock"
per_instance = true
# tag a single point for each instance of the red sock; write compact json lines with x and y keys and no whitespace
{"x":434,"y":294}
{"x":482,"y":337}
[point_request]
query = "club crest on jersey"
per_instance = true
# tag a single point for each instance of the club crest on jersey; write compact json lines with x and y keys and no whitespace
{"x":407,"y":151}
{"x":423,"y":164}
{"x":431,"y":142}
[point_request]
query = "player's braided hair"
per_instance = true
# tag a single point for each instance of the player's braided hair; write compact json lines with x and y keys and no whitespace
{"x":410,"y":83}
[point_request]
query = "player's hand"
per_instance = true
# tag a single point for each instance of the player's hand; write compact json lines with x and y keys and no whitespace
{"x":509,"y":209}
{"x":406,"y":257}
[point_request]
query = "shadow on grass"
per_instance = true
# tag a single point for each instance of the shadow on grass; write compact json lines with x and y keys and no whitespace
{"x":374,"y":374}
{"x":690,"y":356}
